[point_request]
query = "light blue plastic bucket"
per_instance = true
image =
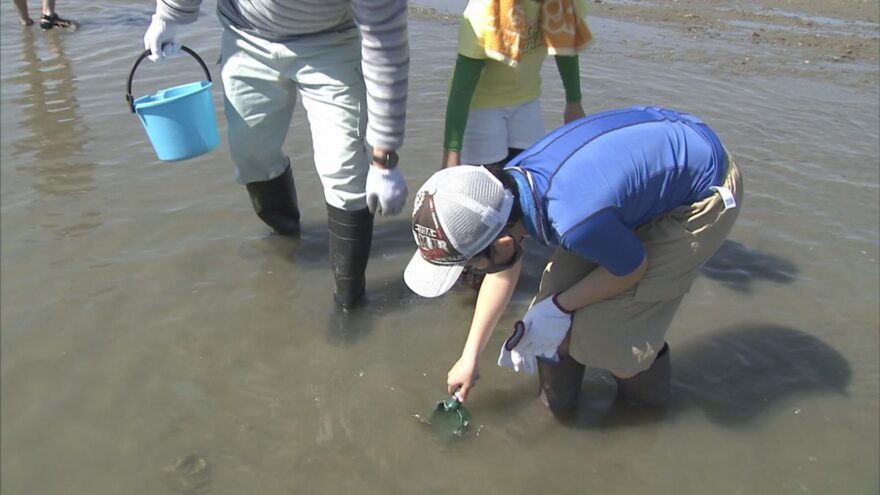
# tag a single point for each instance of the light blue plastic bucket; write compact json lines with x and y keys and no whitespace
{"x":179,"y":121}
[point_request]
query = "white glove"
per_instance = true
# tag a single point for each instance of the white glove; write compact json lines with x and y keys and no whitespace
{"x":539,"y":333}
{"x":161,"y":39}
{"x":386,"y":190}
{"x":511,"y":358}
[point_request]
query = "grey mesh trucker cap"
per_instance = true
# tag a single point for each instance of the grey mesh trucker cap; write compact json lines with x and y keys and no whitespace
{"x":457,"y":213}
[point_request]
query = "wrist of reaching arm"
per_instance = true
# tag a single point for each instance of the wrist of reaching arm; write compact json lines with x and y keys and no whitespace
{"x":470,"y":352}
{"x":478,"y":338}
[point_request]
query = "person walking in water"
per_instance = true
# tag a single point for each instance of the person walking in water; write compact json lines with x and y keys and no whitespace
{"x":48,"y":19}
{"x":636,"y":199}
{"x":348,"y":60}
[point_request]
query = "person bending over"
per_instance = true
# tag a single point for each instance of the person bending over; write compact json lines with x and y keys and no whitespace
{"x":636,"y":199}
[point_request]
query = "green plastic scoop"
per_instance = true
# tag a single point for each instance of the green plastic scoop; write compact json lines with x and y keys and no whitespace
{"x":450,"y":417}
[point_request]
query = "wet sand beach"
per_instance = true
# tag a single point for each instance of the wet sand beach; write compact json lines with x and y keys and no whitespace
{"x":835,"y":41}
{"x":155,"y":338}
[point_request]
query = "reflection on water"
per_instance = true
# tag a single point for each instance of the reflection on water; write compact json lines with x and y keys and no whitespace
{"x":53,"y":150}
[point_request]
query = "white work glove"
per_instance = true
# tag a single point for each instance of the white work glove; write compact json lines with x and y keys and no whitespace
{"x":386,"y":190}
{"x":510,"y":356}
{"x":161,"y":39}
{"x":538,"y":334}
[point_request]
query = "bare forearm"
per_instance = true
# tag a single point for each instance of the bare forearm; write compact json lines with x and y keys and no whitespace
{"x":495,"y":293}
{"x":598,"y":285}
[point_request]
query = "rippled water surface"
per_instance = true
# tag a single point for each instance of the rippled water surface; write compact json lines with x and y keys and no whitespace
{"x":156,"y":339}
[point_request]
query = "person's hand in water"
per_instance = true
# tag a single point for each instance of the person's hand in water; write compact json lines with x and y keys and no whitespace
{"x":462,"y":377}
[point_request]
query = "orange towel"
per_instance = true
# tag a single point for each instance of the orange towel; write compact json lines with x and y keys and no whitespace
{"x":504,"y":39}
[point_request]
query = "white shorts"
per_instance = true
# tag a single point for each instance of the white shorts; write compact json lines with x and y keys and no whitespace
{"x":490,"y":132}
{"x":261,"y":82}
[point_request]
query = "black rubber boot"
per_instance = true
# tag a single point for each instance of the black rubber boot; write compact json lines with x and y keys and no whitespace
{"x":351,"y":233}
{"x":274,"y":202}
{"x":561,"y":385}
{"x":650,"y":387}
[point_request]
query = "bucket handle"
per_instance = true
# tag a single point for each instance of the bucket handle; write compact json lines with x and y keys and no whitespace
{"x":144,"y":55}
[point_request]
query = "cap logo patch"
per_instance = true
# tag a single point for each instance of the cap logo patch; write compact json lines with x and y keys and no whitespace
{"x":433,"y":243}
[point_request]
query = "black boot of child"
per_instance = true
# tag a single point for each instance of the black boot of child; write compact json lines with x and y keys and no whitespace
{"x":561,"y":385}
{"x":650,"y":387}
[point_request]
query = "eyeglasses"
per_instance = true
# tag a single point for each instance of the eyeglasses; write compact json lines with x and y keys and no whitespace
{"x":491,"y":255}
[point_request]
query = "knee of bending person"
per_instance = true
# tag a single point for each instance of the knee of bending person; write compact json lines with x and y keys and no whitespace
{"x":648,"y":387}
{"x":660,"y":360}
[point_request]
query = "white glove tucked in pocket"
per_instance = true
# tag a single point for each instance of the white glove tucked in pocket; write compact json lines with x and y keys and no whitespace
{"x":510,"y":357}
{"x":539,"y":333}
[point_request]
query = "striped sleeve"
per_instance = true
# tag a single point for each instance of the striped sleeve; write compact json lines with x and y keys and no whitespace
{"x":385,"y":51}
{"x":179,"y":11}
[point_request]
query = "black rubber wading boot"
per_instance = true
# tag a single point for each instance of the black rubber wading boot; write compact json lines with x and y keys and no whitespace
{"x":351,"y":233}
{"x":274,"y":202}
{"x":650,"y":387}
{"x":561,"y":385}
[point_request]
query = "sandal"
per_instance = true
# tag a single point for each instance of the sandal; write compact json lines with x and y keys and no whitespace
{"x":52,"y":21}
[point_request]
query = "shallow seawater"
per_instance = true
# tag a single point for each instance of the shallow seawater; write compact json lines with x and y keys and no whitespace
{"x":156,"y":339}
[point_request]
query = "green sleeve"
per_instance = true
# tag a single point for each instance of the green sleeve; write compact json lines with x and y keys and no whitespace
{"x":464,"y":82}
{"x":569,"y":70}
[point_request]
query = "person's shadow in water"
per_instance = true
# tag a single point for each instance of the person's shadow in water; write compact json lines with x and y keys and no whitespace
{"x":736,"y":266}
{"x":737,"y":373}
